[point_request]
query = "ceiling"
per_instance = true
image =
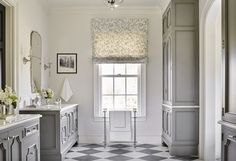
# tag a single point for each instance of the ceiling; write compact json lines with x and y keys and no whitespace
{"x":100,"y":3}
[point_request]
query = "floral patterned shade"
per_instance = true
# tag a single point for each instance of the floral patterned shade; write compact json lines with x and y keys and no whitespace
{"x":120,"y":40}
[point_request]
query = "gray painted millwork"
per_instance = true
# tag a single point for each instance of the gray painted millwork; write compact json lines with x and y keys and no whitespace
{"x":21,"y":142}
{"x":181,"y":77}
{"x":59,"y":130}
{"x":228,"y":141}
{"x":229,"y":91}
{"x":180,"y":130}
{"x":180,"y":53}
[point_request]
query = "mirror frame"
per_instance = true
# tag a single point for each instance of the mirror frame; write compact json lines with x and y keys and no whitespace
{"x":31,"y":58}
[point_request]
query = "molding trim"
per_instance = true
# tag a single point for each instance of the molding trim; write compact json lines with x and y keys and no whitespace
{"x":202,"y":38}
{"x":11,"y":43}
{"x":145,"y":139}
{"x":103,"y":10}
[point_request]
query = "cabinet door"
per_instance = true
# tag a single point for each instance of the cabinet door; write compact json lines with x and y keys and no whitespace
{"x":3,"y":147}
{"x":229,"y":51}
{"x":169,"y":70}
{"x":15,"y":145}
{"x":31,"y":149}
{"x":165,"y":72}
{"x":64,"y":128}
{"x":229,"y":145}
{"x":76,"y":121}
{"x":169,"y":123}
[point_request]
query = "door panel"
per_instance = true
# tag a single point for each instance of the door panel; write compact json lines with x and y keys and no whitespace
{"x":231,"y":55}
{"x":15,"y":145}
{"x":229,"y":59}
{"x":3,"y":147}
{"x":2,"y":46}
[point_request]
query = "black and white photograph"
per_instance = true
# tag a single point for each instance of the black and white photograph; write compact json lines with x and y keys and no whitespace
{"x":66,"y":63}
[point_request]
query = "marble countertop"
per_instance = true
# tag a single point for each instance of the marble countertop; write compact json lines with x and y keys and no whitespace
{"x":16,"y":120}
{"x":227,"y":124}
{"x":49,"y":107}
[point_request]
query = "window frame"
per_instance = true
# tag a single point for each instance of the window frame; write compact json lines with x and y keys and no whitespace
{"x":141,"y":91}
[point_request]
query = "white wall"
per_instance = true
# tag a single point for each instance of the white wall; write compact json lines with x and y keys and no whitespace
{"x":69,"y":31}
{"x":32,"y":16}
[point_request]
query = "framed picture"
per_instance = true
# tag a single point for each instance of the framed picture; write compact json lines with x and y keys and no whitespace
{"x":66,"y":63}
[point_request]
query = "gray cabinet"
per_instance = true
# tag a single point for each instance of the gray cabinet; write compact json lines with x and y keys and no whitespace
{"x":180,"y":77}
{"x":180,"y":53}
{"x":228,"y":141}
{"x":59,"y":130}
{"x":16,"y":146}
{"x":180,"y":129}
{"x":229,"y":107}
{"x":4,"y":147}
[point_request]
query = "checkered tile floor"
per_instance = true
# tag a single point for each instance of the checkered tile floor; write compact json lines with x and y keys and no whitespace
{"x":122,"y":152}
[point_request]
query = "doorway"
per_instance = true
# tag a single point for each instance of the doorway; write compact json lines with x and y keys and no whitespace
{"x":211,"y":77}
{"x":2,"y":46}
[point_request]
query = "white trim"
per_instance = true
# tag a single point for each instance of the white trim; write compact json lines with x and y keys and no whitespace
{"x":141,"y":93}
{"x":202,"y":38}
{"x":104,"y":10}
{"x":11,"y":43}
{"x":169,"y":106}
{"x":143,"y":139}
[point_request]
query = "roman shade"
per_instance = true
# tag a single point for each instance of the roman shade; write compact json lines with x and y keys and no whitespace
{"x":116,"y":40}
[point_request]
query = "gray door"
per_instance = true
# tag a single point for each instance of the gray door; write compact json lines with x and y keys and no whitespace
{"x":15,"y":145}
{"x":229,"y":52}
{"x":31,"y":150}
{"x":3,"y":147}
{"x":229,"y":149}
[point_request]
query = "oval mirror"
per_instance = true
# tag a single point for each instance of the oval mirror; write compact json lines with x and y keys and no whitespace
{"x":36,"y":54}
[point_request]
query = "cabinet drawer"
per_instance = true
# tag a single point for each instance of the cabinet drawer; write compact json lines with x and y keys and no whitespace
{"x":30,"y":130}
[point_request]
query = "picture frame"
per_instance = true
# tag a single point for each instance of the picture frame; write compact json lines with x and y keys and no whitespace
{"x":66,"y":63}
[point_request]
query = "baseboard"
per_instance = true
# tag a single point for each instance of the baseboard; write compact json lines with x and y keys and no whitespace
{"x":98,"y":139}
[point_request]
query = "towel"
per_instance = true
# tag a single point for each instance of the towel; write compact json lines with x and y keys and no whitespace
{"x":66,"y":92}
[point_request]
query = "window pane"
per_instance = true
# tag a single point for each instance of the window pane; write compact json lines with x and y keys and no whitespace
{"x":119,"y":86}
{"x":107,"y":102}
{"x":132,"y":102}
{"x":120,"y":102}
{"x":107,"y":69}
{"x":107,"y":85}
{"x":132,"y":69}
{"x":132,"y":85}
{"x":119,"y":69}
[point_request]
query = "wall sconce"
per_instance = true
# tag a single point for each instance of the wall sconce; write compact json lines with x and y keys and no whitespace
{"x":47,"y":66}
{"x":26,"y":60}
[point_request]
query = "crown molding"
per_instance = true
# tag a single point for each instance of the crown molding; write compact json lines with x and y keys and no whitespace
{"x":106,"y":10}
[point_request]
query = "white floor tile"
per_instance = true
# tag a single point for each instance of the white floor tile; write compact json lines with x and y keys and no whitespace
{"x":163,"y":154}
{"x":135,"y":154}
{"x":103,"y":155}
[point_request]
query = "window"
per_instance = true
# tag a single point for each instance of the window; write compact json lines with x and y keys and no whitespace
{"x":119,"y":87}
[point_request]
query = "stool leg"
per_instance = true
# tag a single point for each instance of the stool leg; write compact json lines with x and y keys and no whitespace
{"x":135,"y":139}
{"x":105,"y":129}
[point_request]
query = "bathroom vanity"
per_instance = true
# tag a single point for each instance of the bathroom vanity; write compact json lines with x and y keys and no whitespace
{"x":19,"y":138}
{"x":58,"y":129}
